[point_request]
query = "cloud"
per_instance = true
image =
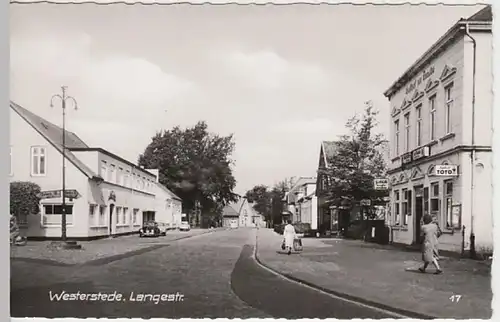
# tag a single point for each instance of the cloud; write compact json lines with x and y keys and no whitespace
{"x":268,"y":70}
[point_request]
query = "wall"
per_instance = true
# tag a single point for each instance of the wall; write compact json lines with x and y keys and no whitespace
{"x":21,"y":166}
{"x":453,"y":57}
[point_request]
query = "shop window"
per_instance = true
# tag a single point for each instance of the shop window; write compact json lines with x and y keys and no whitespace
{"x":52,"y":214}
{"x":102,"y":215}
{"x":453,"y":218}
{"x":135,"y":218}
{"x":435,"y":198}
{"x":92,"y":213}
{"x":406,"y":206}
{"x":119,"y":217}
{"x":126,"y":216}
{"x":396,"y":208}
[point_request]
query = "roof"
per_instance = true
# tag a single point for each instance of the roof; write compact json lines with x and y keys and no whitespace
{"x":479,"y":21}
{"x":174,"y":196}
{"x":53,"y":134}
{"x":329,"y":149}
{"x":233,"y":209}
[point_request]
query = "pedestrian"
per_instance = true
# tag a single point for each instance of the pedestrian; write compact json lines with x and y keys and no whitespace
{"x":430,"y":234}
{"x":289,"y":235}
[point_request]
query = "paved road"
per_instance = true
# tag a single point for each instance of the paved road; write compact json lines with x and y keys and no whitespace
{"x":211,"y":276}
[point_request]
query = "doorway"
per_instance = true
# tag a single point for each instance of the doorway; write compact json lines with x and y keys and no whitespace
{"x":111,"y":209}
{"x":419,"y":213}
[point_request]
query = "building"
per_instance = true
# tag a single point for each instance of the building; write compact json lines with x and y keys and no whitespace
{"x":306,"y":202}
{"x":325,"y":214}
{"x":106,"y":194}
{"x":441,"y":112}
{"x":241,"y":214}
{"x":168,"y":206}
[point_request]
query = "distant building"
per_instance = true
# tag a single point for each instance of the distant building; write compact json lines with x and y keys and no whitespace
{"x":441,"y":116}
{"x":241,"y":214}
{"x":106,"y":194}
{"x":168,"y":206}
{"x":300,"y":200}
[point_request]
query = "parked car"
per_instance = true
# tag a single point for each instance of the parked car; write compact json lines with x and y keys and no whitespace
{"x":184,"y":226}
{"x":150,"y":229}
{"x":164,"y":227}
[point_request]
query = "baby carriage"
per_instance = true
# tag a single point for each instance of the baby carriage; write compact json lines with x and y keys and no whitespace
{"x":297,"y":245}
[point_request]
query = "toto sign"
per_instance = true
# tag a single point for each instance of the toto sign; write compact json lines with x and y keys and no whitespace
{"x":446,"y":170}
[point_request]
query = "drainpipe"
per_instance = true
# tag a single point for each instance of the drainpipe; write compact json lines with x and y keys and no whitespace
{"x":473,"y":152}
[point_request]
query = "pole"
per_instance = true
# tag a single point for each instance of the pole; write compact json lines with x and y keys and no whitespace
{"x":63,"y":219}
{"x":63,"y":98}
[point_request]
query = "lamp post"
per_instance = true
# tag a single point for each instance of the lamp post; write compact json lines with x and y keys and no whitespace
{"x":63,"y":98}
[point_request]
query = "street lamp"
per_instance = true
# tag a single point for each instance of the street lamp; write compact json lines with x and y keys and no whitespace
{"x":63,"y":98}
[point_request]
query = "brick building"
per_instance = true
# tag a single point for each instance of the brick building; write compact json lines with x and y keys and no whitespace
{"x":441,"y":112}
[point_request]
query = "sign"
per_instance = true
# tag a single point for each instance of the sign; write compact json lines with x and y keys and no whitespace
{"x":446,"y":170}
{"x":387,"y":199}
{"x":365,"y":202}
{"x":50,"y":194}
{"x":406,"y":158}
{"x":420,"y":153}
{"x":112,"y":196}
{"x":381,"y":184}
{"x":419,"y":80}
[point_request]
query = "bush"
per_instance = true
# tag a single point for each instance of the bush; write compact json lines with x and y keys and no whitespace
{"x":24,"y":198}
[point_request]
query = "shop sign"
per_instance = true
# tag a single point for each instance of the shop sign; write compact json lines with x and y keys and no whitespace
{"x":420,"y":153}
{"x":365,"y":202}
{"x":381,"y":184}
{"x":419,"y":80}
{"x":50,"y":194}
{"x":406,"y":158}
{"x":446,"y":170}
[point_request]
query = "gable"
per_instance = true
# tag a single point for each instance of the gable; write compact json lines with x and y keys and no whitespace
{"x":447,"y":72}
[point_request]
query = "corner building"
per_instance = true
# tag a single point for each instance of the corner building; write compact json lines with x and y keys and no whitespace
{"x":441,"y":114}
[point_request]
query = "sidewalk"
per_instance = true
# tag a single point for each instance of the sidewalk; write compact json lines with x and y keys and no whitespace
{"x":37,"y":251}
{"x":379,"y":275}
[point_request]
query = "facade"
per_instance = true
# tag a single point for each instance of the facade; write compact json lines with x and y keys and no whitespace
{"x":168,"y":206}
{"x":107,"y":195}
{"x":241,"y":214}
{"x":441,"y":115}
{"x":295,"y":197}
{"x":307,"y":203}
{"x":326,"y":216}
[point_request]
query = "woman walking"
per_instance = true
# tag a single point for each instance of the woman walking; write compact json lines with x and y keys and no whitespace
{"x":430,"y":254}
{"x":290,"y":235}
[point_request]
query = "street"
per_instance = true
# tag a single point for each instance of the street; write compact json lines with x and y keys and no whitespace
{"x":207,"y":276}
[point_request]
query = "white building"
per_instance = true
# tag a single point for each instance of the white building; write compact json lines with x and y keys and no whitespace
{"x":241,"y":214}
{"x":112,"y":195}
{"x":441,"y":115}
{"x":302,"y":202}
{"x":168,"y":206}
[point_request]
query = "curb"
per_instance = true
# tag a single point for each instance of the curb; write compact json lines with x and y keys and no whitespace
{"x":409,"y":314}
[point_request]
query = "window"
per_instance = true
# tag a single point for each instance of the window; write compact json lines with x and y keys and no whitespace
{"x":435,"y":198}
{"x":112,"y":173}
{"x":396,"y":208}
{"x":453,"y":220}
{"x":432,"y":123}
{"x":406,"y":206}
{"x":135,"y":220}
{"x":396,"y":137}
{"x":38,"y":164}
{"x":11,"y":171}
{"x":52,"y":214}
{"x":104,"y":170}
{"x":407,"y":132}
{"x":126,"y":216}
{"x":102,"y":215}
{"x":127,"y":179}
{"x":92,"y":213}
{"x":119,"y":219}
{"x":120,"y":177}
{"x":448,"y":107}
{"x":419,"y":125}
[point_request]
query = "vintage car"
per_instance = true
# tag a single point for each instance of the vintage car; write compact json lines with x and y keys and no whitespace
{"x":184,"y":226}
{"x":150,"y":229}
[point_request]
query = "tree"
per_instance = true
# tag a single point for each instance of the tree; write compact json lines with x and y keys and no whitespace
{"x":24,"y":198}
{"x":260,"y":195}
{"x":358,"y":160}
{"x":194,"y":164}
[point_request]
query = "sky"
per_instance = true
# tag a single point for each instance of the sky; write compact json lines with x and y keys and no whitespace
{"x":281,"y":79}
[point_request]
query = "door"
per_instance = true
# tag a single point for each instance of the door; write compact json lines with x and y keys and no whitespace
{"x":111,"y":210}
{"x":419,"y":212}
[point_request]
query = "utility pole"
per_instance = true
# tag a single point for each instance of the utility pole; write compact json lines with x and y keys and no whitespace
{"x":63,"y":98}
